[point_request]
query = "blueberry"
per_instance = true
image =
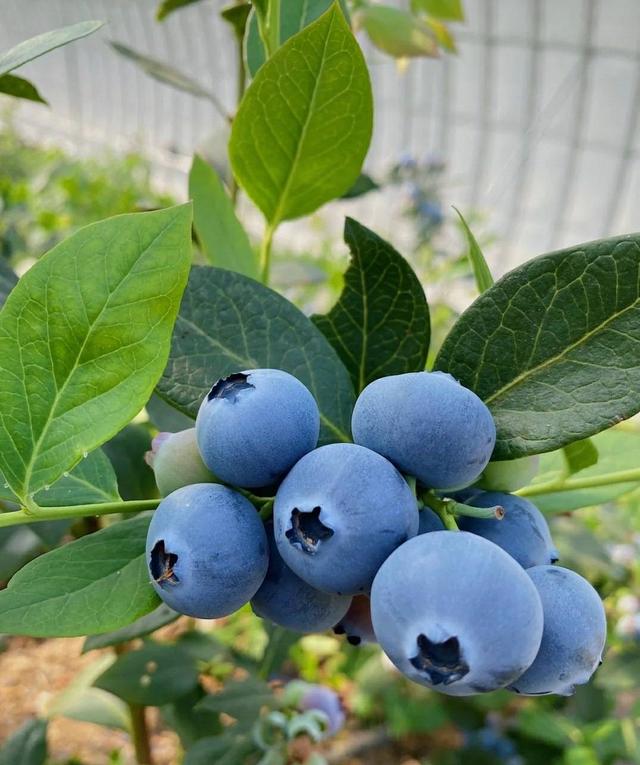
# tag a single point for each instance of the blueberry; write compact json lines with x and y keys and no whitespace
{"x":339,"y":513}
{"x":287,"y":600}
{"x":575,"y":630}
{"x":207,"y":550}
{"x":356,"y":623}
{"x":176,"y":461}
{"x":454,"y":612}
{"x":253,"y":426}
{"x":523,"y":532}
{"x":509,"y":475}
{"x":428,"y":425}
{"x":429,"y":520}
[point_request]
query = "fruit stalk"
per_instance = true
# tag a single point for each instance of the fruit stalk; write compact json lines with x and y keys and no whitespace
{"x":16,"y":517}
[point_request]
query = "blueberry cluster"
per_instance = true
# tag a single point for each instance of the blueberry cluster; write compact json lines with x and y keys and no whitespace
{"x":347,"y":537}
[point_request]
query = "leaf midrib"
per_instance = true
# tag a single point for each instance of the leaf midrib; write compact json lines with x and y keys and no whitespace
{"x":30,"y":465}
{"x":277,"y":217}
{"x":552,"y":359}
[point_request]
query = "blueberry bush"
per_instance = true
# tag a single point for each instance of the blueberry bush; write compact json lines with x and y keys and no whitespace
{"x":324,"y":472}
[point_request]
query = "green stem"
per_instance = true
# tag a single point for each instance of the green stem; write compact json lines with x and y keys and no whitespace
{"x":17,"y":517}
{"x":588,"y":482}
{"x":265,"y":252}
{"x":266,"y":511}
{"x":441,"y":508}
{"x":241,"y":84}
{"x":140,"y":735}
{"x":273,"y":26}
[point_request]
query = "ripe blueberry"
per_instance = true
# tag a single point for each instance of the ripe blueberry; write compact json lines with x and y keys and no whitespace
{"x":454,"y":612}
{"x":575,"y":629}
{"x":339,"y":513}
{"x":207,"y":550}
{"x":253,"y":426}
{"x":428,"y":425}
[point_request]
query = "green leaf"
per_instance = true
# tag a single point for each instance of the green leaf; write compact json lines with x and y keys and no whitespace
{"x":221,"y":235}
{"x":242,"y":700}
{"x":450,"y":10}
{"x":19,"y":88}
{"x":276,"y":651}
{"x":580,"y":455}
{"x":380,"y":324}
{"x":553,"y":348}
{"x":8,"y":280}
{"x":617,"y":449}
{"x":37,"y":46}
{"x":95,"y":584}
{"x":363,"y":185}
{"x":79,"y":701}
{"x":304,"y":124}
{"x":443,"y":35}
{"x":237,"y":16}
{"x":84,"y":336}
{"x":28,"y":746}
{"x":396,"y":32}
{"x":191,"y":724}
{"x":147,"y":624}
{"x":92,"y":480}
{"x":168,"y":75}
{"x":228,"y":323}
{"x":169,"y":6}
{"x":481,"y":271}
{"x":253,"y":49}
{"x":227,"y":749}
{"x":126,"y":451}
{"x":152,"y":676}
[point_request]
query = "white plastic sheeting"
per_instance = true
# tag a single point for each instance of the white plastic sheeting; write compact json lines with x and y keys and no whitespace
{"x":536,"y":118}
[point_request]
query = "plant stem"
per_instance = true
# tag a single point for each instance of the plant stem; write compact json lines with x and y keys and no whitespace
{"x":442,"y":508}
{"x":241,"y":84}
{"x":16,"y":517}
{"x":588,"y":482}
{"x":265,"y":252}
{"x":140,"y":735}
{"x":273,"y":26}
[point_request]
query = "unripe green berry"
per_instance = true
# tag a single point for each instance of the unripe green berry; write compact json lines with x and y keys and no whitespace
{"x":176,"y":461}
{"x":509,"y":475}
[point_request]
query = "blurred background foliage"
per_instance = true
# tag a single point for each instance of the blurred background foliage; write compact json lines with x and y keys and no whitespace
{"x":44,"y":195}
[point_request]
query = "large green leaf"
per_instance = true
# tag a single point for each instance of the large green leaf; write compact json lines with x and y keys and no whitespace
{"x":153,"y":675}
{"x":304,"y":125}
{"x":380,"y":324}
{"x":37,"y":46}
{"x":554,"y":347}
{"x":228,"y":323}
{"x":95,"y":584}
{"x":28,"y":746}
{"x":221,"y":235}
{"x":617,"y":449}
{"x":84,"y":337}
{"x":126,"y":451}
{"x":18,"y":87}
